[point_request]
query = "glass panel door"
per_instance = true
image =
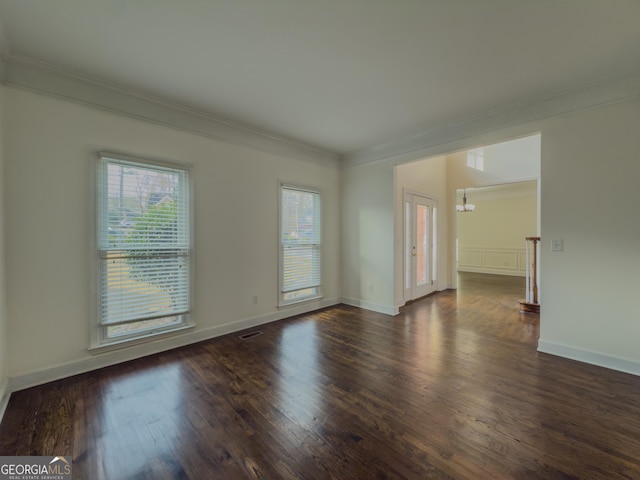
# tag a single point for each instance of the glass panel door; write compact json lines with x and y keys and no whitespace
{"x":420,"y":246}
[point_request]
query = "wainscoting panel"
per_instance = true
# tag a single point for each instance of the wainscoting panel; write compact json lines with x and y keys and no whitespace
{"x":522,"y":258}
{"x":502,"y":260}
{"x":469,"y":258}
{"x":495,"y":260}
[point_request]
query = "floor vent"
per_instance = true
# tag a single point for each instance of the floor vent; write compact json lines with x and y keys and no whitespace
{"x":250,"y":335}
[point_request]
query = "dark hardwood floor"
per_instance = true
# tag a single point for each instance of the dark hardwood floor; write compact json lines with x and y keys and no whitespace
{"x":452,"y":388}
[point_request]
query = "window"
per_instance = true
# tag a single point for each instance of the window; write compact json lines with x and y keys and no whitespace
{"x":144,"y":252}
{"x":299,"y":244}
{"x":475,"y":158}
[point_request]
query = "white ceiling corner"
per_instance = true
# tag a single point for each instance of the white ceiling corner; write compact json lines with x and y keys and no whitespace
{"x":360,"y":80}
{"x":437,"y":141}
{"x":38,"y":76}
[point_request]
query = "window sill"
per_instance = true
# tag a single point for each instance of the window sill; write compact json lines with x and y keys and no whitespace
{"x":295,"y":303}
{"x":139,"y":340}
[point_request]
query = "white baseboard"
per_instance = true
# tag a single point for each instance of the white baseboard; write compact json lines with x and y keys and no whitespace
{"x":4,"y":396}
{"x":113,"y":357}
{"x":492,"y":271}
{"x":600,"y":359}
{"x":356,"y":302}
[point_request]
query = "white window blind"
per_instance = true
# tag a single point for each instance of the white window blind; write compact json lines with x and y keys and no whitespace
{"x":144,"y":246}
{"x":299,"y":244}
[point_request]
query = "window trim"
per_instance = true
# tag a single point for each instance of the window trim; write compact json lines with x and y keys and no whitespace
{"x":98,"y":341}
{"x":319,"y":294}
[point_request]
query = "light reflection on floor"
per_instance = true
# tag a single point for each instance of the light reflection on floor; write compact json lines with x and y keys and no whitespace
{"x":298,"y":363}
{"x":135,"y":408}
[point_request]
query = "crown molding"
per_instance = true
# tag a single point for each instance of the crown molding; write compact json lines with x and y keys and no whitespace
{"x":26,"y":73}
{"x":4,"y":41}
{"x":501,"y":191}
{"x":38,"y":76}
{"x":594,"y":94}
{"x":3,"y":71}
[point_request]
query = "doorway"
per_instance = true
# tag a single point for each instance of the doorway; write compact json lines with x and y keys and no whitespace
{"x":420,"y":252}
{"x":491,"y":238}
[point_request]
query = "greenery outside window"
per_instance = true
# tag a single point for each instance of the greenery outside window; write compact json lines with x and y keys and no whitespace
{"x":144,"y":248}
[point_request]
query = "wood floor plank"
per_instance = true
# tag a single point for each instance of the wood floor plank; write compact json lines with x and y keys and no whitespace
{"x":451,"y":388}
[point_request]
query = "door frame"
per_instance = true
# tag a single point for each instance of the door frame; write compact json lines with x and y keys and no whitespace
{"x":410,"y":291}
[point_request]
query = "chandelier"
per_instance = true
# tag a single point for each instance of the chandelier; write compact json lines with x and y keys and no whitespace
{"x":465,"y":207}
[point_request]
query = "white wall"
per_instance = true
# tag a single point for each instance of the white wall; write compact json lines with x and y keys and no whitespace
{"x":4,"y":357}
{"x":590,"y":173}
{"x":588,"y":189}
{"x":49,"y":146}
{"x":491,"y":239}
{"x":430,"y":178}
{"x":504,"y":162}
{"x":367,"y":191}
{"x":440,"y":176}
{"x":368,"y":237}
{"x":498,"y":221}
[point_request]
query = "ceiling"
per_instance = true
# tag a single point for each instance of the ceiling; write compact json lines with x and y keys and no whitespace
{"x":336,"y":75}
